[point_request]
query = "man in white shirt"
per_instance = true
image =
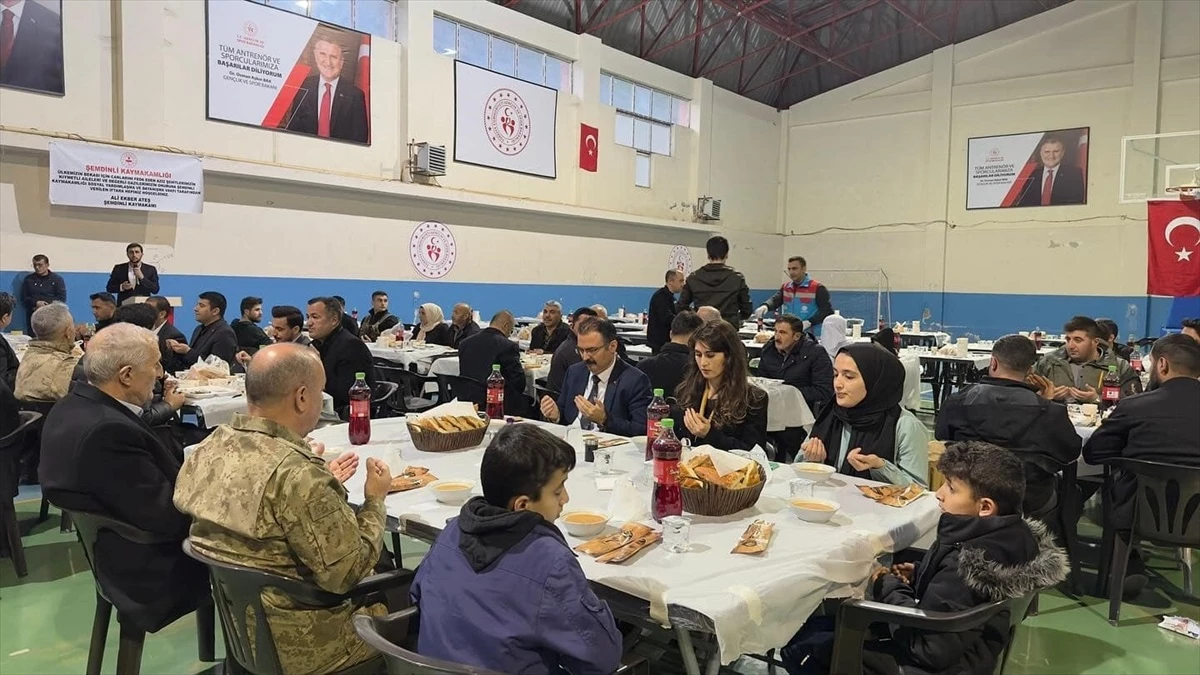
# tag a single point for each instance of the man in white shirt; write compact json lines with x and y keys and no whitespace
{"x":327,"y":104}
{"x":601,"y":392}
{"x":1053,"y":182}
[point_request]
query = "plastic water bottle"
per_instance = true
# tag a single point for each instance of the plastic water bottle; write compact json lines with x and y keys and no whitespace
{"x":495,"y":393}
{"x":666,"y":498}
{"x":360,"y":410}
{"x":656,"y":412}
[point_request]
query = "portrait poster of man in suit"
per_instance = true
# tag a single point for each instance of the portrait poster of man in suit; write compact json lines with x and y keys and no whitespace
{"x":31,"y":47}
{"x":1041,"y":168}
{"x":1056,"y":180}
{"x":329,"y":103}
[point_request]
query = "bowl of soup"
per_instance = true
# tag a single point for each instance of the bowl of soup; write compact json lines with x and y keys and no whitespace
{"x":452,"y":491}
{"x":814,"y":510}
{"x":814,"y":471}
{"x":585,"y":522}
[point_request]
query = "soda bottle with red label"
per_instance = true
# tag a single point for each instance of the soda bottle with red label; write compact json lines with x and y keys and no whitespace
{"x":666,"y":499}
{"x":1110,"y":388}
{"x":656,"y":412}
{"x":495,"y":393}
{"x":360,"y":410}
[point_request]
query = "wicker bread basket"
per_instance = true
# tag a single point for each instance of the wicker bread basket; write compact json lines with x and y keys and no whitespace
{"x":717,"y":500}
{"x":435,"y":441}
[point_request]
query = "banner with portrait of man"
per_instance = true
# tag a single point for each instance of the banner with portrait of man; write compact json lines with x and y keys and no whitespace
{"x":271,"y":68}
{"x":31,"y":46}
{"x":1044,"y":168}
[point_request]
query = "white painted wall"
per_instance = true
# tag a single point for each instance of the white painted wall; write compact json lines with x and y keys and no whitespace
{"x":891,"y":149}
{"x":279,"y":204}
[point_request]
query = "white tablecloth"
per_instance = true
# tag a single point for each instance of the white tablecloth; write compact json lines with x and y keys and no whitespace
{"x":403,"y":357}
{"x":786,"y":406}
{"x":756,"y":603}
{"x":450,"y":366}
{"x":980,"y":361}
{"x":986,"y":348}
{"x":221,"y":409}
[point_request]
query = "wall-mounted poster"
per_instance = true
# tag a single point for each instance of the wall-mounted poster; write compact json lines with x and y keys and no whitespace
{"x":504,"y":123}
{"x":270,"y":68}
{"x":31,"y":48}
{"x":1045,"y":168}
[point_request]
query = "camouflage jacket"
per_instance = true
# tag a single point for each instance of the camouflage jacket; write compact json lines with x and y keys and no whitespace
{"x":45,"y":371}
{"x":260,"y":498}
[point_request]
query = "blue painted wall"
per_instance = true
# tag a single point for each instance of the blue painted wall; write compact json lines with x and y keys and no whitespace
{"x":985,"y":315}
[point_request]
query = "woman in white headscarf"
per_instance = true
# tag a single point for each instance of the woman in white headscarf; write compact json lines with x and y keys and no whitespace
{"x":833,"y":334}
{"x":433,"y":329}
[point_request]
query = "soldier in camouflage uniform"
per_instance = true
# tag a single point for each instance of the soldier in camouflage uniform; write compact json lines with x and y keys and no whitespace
{"x":261,"y":498}
{"x":45,"y":371}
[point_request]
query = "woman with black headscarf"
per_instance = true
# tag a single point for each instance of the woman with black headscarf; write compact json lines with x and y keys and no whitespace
{"x":866,"y":433}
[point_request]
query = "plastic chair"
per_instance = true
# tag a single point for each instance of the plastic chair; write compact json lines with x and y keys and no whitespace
{"x":408,"y":399}
{"x":1166,"y":513}
{"x":384,"y":391}
{"x":129,"y":653}
{"x":854,"y":619}
{"x":10,"y":458}
{"x":236,"y":588}
{"x":403,"y":659}
{"x":463,"y":388}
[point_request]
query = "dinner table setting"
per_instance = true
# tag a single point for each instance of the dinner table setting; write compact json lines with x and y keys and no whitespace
{"x":750,"y":578}
{"x":408,"y":353}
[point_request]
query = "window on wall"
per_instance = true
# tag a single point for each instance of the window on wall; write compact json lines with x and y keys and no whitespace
{"x":644,"y":115}
{"x":377,"y":17}
{"x":500,"y":54}
{"x":641,"y":169}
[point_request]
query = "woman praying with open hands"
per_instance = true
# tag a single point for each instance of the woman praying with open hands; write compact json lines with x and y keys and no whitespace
{"x":719,"y":405}
{"x":866,"y":433}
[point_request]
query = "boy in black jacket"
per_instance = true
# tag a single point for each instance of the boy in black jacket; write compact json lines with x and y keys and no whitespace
{"x":985,"y":551}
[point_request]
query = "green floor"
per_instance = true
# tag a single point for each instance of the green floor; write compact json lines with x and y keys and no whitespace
{"x":45,"y":623}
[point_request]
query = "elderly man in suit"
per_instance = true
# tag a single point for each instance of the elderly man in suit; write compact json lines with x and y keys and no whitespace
{"x":327,"y":104}
{"x":31,"y":48}
{"x":133,"y":279}
{"x":491,"y":346}
{"x":98,"y":456}
{"x":1053,"y":182}
{"x":602,"y":391}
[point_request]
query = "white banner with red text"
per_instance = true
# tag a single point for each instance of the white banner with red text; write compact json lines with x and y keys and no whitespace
{"x":111,"y":177}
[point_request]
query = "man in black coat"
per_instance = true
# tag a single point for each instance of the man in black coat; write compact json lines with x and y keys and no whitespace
{"x":565,"y":354}
{"x":328,"y":104}
{"x":41,"y":287}
{"x":166,"y":331}
{"x":1006,"y":410}
{"x":98,"y":456}
{"x":1159,"y":425}
{"x":35,"y":49}
{"x":8,"y":357}
{"x":462,"y":324}
{"x":213,"y":337}
{"x":799,"y":361}
{"x":662,"y":311}
{"x":718,"y":285}
{"x":491,"y":346}
{"x":666,"y":368}
{"x":342,"y":354}
{"x":546,"y":337}
{"x":1065,"y":184}
{"x":134,"y":278}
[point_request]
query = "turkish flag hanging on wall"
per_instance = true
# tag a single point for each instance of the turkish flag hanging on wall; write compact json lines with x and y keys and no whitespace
{"x":589,"y":147}
{"x":1173,"y":253}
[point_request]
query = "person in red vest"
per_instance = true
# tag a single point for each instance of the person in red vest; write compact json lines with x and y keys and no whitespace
{"x":803,"y":297}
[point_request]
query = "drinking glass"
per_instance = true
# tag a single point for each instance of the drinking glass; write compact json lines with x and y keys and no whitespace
{"x":677,"y":534}
{"x":801,"y":488}
{"x":604,"y":461}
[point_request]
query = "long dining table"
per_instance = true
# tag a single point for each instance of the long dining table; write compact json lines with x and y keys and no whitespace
{"x":749,"y":603}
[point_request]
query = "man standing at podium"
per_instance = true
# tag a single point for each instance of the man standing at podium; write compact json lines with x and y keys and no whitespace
{"x":134,"y":279}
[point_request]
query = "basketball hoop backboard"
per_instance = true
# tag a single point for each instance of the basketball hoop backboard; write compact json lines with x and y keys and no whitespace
{"x":1151,"y":163}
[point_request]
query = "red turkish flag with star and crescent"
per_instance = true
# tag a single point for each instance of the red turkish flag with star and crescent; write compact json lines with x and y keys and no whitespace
{"x":589,"y":147}
{"x":1173,"y":254}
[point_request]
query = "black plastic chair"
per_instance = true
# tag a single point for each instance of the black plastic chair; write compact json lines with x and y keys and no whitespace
{"x":1166,"y":513}
{"x":10,"y":461}
{"x":462,"y":388}
{"x":402,"y":659}
{"x":236,"y":588}
{"x":854,"y":619}
{"x":383,"y":393}
{"x":410,"y":397}
{"x":129,"y":653}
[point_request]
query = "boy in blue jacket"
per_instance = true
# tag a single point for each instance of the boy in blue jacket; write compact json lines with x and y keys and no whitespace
{"x":500,"y":588}
{"x":985,"y":551}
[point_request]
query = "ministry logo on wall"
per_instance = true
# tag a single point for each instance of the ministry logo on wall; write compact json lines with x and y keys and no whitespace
{"x":504,"y":123}
{"x":270,"y":68}
{"x":680,"y":260}
{"x":432,"y":249}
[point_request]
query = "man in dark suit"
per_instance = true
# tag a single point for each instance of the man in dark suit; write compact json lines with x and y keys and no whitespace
{"x":166,"y":331}
{"x":602,"y":391}
{"x":666,"y":368}
{"x":565,"y":355}
{"x":662,"y":311}
{"x":478,"y":353}
{"x":462,"y":324}
{"x":213,"y":337}
{"x":98,"y":456}
{"x":1053,"y":182}
{"x":1159,"y":426}
{"x":552,"y":331}
{"x":134,"y":278}
{"x":8,"y":357}
{"x":31,"y":50}
{"x":342,"y":354}
{"x":328,"y":105}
